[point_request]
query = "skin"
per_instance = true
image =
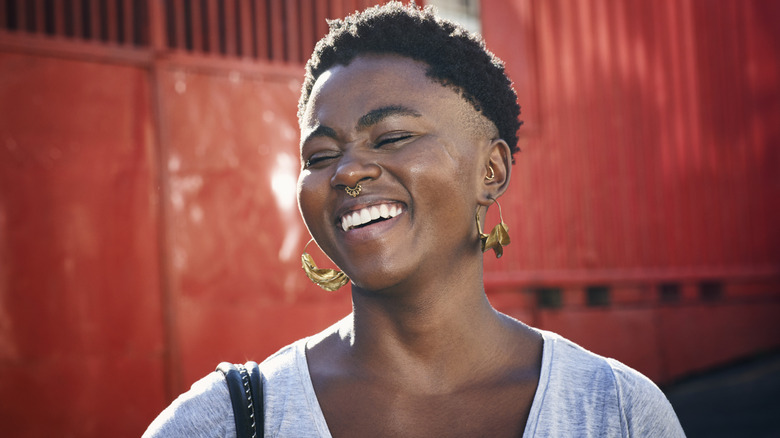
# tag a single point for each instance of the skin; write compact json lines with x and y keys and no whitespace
{"x":423,"y":352}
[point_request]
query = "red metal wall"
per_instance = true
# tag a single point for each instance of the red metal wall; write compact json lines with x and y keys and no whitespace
{"x":148,"y":228}
{"x":649,"y":166}
{"x":651,"y":128}
{"x":80,"y":310}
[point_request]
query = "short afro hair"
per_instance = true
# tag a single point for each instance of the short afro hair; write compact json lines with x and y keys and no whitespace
{"x":455,"y":57}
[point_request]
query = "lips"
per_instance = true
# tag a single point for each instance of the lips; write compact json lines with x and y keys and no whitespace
{"x":366,"y":215}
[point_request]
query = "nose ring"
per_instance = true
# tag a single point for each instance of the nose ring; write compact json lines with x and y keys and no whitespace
{"x":353,"y":191}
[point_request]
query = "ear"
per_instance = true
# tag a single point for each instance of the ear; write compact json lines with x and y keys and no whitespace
{"x":499,"y":159}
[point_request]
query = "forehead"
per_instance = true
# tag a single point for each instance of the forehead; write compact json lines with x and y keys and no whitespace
{"x":373,"y":81}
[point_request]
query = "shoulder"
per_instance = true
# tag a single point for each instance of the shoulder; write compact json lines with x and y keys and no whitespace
{"x":203,"y":411}
{"x":285,"y":374}
{"x":603,"y":394}
{"x":206,"y":411}
{"x":645,"y":409}
{"x":283,"y":360}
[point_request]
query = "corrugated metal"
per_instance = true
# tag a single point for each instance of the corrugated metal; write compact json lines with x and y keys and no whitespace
{"x":108,"y":21}
{"x":270,"y":30}
{"x":650,"y":170}
{"x":651,"y":135}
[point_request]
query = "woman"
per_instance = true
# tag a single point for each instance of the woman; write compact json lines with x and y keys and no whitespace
{"x":408,"y":130}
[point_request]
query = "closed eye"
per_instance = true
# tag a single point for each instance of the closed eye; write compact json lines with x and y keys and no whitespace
{"x":317,"y":159}
{"x":391,"y":140}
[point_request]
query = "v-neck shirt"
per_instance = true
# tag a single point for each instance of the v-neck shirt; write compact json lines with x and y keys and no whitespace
{"x":580,"y":394}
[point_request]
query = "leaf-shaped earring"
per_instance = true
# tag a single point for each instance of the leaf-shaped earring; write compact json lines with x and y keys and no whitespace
{"x":498,"y":237}
{"x":328,"y":279}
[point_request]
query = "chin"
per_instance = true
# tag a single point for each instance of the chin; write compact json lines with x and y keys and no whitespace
{"x":374,"y":281}
{"x":381,"y":282}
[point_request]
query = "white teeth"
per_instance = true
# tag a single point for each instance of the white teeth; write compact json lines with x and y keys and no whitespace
{"x":366,"y":215}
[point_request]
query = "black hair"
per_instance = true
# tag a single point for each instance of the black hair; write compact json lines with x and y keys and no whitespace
{"x":455,"y":57}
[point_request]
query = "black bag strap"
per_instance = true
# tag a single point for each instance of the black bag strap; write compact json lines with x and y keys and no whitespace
{"x":245,"y":384}
{"x":256,"y":386}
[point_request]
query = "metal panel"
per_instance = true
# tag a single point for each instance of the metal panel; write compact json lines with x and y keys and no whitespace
{"x":212,"y":18}
{"x":129,"y":18}
{"x":276,"y":31}
{"x":649,"y":164}
{"x":245,"y":29}
{"x":649,"y":134}
{"x":261,"y":31}
{"x":272,"y":30}
{"x":231,"y":42}
{"x":178,"y":21}
{"x":111,"y":20}
{"x":79,"y":296}
{"x":292,"y":33}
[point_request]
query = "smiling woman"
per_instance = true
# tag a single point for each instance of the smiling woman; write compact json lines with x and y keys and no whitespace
{"x":408,"y":131}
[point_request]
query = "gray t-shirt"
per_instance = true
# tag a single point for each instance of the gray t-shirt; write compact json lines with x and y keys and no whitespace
{"x":580,"y":394}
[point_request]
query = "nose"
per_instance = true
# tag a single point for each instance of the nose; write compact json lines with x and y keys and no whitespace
{"x":354,"y":167}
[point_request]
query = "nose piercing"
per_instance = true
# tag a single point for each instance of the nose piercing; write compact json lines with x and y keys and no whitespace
{"x":353,"y":191}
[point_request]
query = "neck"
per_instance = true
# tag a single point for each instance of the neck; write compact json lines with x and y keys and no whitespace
{"x":434,"y":330}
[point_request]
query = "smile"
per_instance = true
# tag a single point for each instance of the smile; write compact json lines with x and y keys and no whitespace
{"x":374,"y":213}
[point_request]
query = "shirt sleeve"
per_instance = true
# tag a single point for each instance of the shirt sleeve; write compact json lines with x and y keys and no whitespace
{"x":645,"y":410}
{"x":202,"y":412}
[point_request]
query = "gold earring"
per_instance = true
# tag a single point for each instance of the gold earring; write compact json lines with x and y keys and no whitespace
{"x":498,"y":237}
{"x":328,"y":279}
{"x":492,"y":174}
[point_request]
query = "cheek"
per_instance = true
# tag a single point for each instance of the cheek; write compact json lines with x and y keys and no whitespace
{"x":442,"y":183}
{"x":439,"y":171}
{"x":311,"y":196}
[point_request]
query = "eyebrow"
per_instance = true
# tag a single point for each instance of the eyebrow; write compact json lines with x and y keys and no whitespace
{"x":377,"y":115}
{"x":321,"y":131}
